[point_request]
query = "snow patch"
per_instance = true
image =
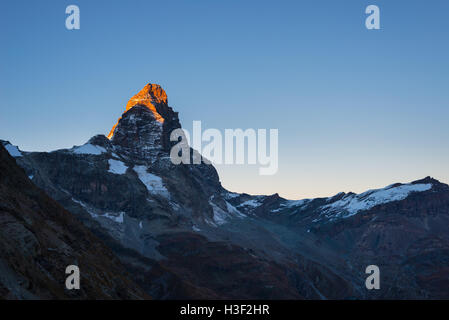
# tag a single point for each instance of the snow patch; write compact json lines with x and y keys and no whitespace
{"x":118,"y":219}
{"x":250,"y":203}
{"x":13,"y":150}
{"x":86,"y":207}
{"x":231,"y":195}
{"x":350,"y":204}
{"x":117,"y":167}
{"x":153,"y":182}
{"x":220,"y":215}
{"x":89,"y":149}
{"x":114,"y":217}
{"x":291,"y":204}
{"x":233,"y":210}
{"x":296,"y":203}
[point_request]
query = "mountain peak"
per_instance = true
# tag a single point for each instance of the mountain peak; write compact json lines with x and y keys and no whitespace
{"x":151,"y":96}
{"x":144,"y":128}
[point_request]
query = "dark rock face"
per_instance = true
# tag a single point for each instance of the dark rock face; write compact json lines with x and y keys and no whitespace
{"x":180,"y":234}
{"x":39,"y":239}
{"x":138,"y":135}
{"x":220,"y":270}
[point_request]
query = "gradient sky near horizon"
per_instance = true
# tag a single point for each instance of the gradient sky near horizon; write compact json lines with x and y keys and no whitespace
{"x":355,"y":108}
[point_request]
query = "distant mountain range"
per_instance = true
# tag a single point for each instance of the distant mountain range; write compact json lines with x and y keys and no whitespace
{"x":179,"y":234}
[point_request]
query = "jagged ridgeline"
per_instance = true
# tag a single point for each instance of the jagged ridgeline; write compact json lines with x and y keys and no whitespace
{"x":180,"y":234}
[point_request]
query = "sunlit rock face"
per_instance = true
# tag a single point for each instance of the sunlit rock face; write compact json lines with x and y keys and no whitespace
{"x":153,"y":97}
{"x":146,"y":124}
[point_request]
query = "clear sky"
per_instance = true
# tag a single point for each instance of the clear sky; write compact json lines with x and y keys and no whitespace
{"x":355,"y":108}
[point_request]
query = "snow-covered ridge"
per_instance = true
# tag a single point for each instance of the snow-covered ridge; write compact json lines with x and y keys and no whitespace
{"x":250,"y":203}
{"x":89,"y":149}
{"x":351,"y":204}
{"x":292,"y":204}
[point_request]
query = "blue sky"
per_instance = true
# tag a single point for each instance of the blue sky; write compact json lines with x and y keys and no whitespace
{"x":355,"y":108}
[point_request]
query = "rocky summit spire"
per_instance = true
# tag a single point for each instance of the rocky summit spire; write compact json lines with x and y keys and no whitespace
{"x":151,"y":96}
{"x":143,"y":130}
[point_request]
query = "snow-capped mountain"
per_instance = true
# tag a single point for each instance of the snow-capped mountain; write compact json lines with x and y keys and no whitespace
{"x":181,"y":234}
{"x":341,"y":206}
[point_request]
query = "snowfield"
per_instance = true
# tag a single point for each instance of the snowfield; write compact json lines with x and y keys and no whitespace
{"x":350,"y":204}
{"x":117,"y":167}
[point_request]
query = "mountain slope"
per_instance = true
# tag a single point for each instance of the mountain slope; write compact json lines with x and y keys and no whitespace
{"x":39,"y":239}
{"x":402,"y":228}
